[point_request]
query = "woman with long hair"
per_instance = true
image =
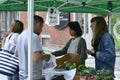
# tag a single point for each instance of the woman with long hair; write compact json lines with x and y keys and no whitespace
{"x":103,"y":45}
{"x":11,"y":40}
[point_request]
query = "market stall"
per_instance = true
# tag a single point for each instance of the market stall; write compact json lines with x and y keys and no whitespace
{"x":80,"y":6}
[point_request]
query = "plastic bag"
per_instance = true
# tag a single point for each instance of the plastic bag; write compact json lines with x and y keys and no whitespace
{"x":48,"y":66}
{"x":52,"y":17}
{"x":68,"y":74}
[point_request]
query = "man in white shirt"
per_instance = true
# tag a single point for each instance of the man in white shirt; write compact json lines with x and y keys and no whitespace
{"x":22,"y":51}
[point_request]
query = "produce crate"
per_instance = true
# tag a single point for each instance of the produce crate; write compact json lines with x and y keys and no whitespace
{"x":69,"y":57}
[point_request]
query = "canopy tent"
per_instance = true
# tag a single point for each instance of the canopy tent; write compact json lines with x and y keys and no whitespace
{"x":2,"y":1}
{"x":29,"y":6}
{"x":83,"y":6}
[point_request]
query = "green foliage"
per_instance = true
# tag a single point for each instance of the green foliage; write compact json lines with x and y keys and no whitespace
{"x":80,"y":68}
{"x":70,"y":66}
{"x":103,"y":75}
{"x":89,"y":71}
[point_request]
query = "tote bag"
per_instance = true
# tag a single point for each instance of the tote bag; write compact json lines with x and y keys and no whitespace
{"x":52,"y":17}
{"x":8,"y":63}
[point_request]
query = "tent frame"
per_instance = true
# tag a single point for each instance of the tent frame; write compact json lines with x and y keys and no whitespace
{"x":30,"y":39}
{"x":62,"y":5}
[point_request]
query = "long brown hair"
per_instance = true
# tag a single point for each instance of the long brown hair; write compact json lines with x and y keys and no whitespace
{"x":16,"y":27}
{"x":100,"y":28}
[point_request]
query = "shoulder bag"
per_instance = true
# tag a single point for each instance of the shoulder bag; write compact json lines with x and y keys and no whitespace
{"x":8,"y":63}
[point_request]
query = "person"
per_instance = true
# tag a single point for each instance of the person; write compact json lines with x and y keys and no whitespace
{"x":77,"y":44}
{"x":37,"y":51}
{"x":103,"y":45}
{"x":10,"y":42}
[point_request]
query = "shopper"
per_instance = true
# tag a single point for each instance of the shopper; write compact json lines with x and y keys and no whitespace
{"x":37,"y":51}
{"x":11,"y":40}
{"x":103,"y":45}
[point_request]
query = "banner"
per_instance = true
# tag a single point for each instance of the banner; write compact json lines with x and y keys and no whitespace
{"x":115,"y":29}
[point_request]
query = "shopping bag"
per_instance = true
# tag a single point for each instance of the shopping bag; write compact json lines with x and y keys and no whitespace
{"x":8,"y":63}
{"x":52,"y":17}
{"x":48,"y":66}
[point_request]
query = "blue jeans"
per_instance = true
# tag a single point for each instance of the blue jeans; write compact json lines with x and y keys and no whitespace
{"x":14,"y":77}
{"x":22,"y":77}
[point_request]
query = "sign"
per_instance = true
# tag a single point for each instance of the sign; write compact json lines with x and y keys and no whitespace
{"x":64,"y":19}
{"x":115,"y":29}
{"x":52,"y":17}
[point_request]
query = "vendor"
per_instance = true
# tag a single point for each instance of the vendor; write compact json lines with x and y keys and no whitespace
{"x":76,"y":44}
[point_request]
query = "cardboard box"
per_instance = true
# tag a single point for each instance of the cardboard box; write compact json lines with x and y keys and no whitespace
{"x":69,"y":57}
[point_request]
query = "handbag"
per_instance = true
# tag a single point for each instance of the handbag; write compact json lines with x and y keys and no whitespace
{"x":8,"y":63}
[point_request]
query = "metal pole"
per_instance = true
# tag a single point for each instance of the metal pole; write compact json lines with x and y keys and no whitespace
{"x":109,"y":24}
{"x":30,"y":39}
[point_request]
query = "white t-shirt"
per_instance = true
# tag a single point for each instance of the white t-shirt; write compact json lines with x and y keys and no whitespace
{"x":22,"y":48}
{"x":10,"y":42}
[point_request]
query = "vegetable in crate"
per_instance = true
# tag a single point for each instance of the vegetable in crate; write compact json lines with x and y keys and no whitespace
{"x":80,"y":68}
{"x":88,"y":72}
{"x":70,"y":66}
{"x":104,"y":75}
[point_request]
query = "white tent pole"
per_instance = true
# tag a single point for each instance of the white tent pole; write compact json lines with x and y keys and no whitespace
{"x":30,"y":39}
{"x":109,"y":22}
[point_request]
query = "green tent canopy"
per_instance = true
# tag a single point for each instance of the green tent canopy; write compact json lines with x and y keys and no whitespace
{"x":82,"y":6}
{"x":1,"y":1}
